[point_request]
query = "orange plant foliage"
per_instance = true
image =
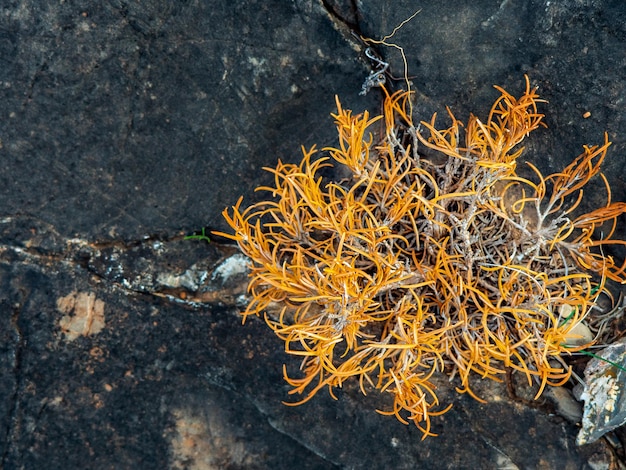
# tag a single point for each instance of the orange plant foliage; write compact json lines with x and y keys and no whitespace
{"x":417,"y":265}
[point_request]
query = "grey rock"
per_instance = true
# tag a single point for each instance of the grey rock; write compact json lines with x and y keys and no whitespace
{"x":603,"y":393}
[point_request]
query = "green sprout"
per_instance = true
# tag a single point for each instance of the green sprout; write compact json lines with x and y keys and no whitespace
{"x":200,"y":236}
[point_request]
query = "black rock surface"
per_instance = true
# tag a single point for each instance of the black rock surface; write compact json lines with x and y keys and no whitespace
{"x":126,"y":125}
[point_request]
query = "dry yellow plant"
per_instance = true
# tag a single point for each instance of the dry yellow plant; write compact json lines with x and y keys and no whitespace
{"x":435,"y":257}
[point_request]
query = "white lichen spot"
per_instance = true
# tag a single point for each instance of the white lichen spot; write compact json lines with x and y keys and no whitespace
{"x":191,"y":279}
{"x":258,"y":65}
{"x":230,"y":267}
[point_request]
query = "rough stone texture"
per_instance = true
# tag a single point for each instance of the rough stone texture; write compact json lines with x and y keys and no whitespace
{"x":128,"y":124}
